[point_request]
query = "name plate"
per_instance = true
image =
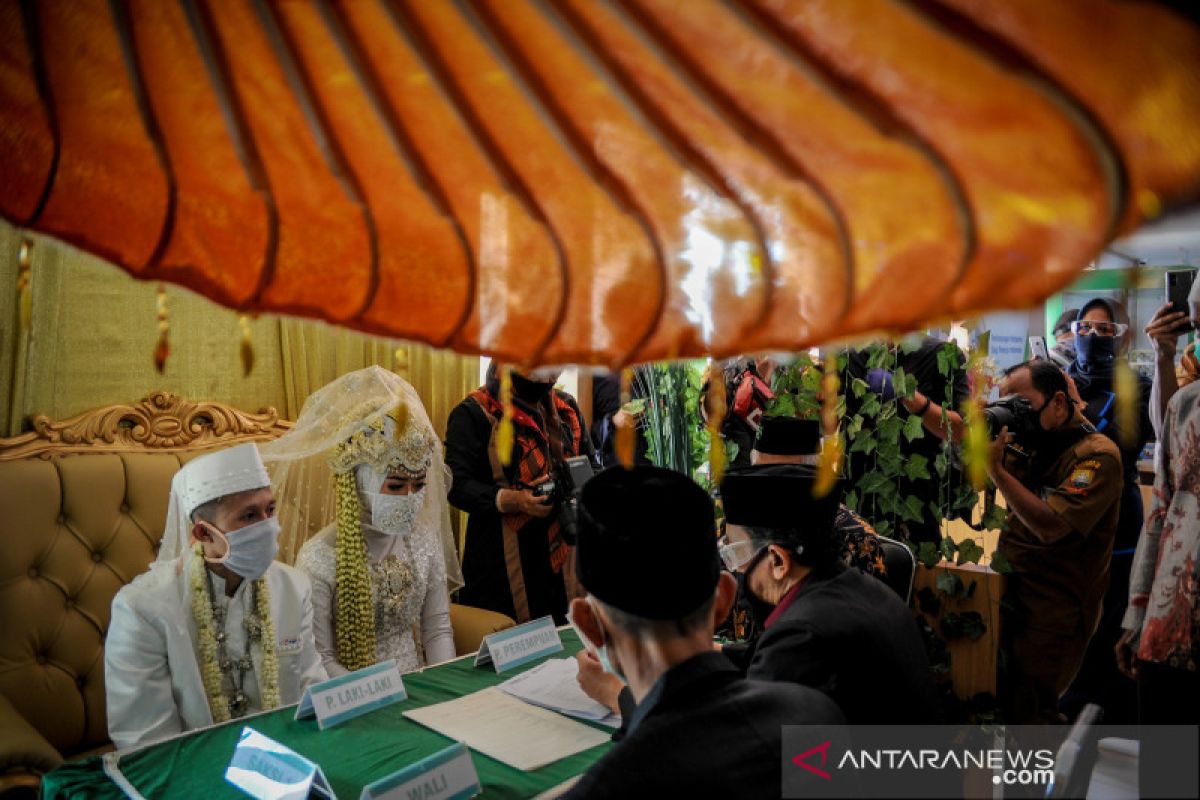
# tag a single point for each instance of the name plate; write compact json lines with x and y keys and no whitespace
{"x":520,"y":645}
{"x":262,"y":767}
{"x":352,"y":695}
{"x":446,"y":775}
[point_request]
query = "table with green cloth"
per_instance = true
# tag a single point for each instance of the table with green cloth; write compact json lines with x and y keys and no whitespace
{"x":351,"y":754}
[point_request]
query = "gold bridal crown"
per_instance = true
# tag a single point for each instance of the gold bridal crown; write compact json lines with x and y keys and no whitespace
{"x":406,"y":447}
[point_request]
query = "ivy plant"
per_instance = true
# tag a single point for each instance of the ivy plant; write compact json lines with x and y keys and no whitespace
{"x":877,"y":434}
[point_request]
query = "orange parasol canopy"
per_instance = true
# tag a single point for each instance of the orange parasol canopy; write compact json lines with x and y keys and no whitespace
{"x":552,"y":181}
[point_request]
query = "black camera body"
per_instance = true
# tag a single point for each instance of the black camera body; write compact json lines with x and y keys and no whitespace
{"x":1015,"y":413}
{"x":547,"y":488}
{"x":566,"y":480}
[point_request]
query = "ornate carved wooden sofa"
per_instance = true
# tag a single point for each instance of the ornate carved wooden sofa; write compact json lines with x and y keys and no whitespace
{"x":82,"y":506}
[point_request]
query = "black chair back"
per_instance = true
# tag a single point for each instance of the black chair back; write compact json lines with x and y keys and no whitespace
{"x":901,"y":567}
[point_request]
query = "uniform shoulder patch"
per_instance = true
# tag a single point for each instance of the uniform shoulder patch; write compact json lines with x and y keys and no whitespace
{"x":1081,"y":478}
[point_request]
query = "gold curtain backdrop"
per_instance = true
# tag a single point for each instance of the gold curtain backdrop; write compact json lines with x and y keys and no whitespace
{"x":93,"y":330}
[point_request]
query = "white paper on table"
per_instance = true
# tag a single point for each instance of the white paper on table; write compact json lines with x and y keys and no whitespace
{"x":555,"y":685}
{"x":507,"y":729}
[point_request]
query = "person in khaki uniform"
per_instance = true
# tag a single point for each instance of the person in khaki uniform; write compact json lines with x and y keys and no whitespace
{"x":1063,"y":494}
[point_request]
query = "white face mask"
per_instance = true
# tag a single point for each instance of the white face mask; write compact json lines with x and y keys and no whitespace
{"x":249,"y":551}
{"x":396,"y":513}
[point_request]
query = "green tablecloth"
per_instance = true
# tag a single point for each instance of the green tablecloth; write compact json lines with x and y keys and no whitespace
{"x":352,"y":754}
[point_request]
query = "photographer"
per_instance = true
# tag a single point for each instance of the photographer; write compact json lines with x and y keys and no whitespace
{"x":1061,"y":481}
{"x":747,"y":394}
{"x":1164,"y":330}
{"x":516,"y":559}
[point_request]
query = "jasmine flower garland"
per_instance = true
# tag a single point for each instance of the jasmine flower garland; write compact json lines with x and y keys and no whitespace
{"x":355,"y":619}
{"x":268,"y":684}
{"x":206,"y":629}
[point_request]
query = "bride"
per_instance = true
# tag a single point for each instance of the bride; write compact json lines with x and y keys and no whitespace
{"x":379,"y":568}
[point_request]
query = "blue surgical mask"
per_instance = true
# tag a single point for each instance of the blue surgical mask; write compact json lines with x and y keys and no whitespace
{"x":1095,"y":351}
{"x":250,"y":550}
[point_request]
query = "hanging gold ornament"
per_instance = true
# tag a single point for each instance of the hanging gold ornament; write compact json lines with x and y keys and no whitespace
{"x":247,"y":347}
{"x":1125,"y":382}
{"x":24,"y":290}
{"x":625,"y":447}
{"x":401,"y":361}
{"x":830,"y":464}
{"x":977,"y":444}
{"x":715,"y":402}
{"x":400,"y":413}
{"x":504,"y":432}
{"x":162,"y":349}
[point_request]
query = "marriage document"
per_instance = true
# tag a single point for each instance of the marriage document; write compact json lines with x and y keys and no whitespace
{"x":509,"y":730}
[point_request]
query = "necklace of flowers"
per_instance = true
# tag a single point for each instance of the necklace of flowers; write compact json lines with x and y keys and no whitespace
{"x":214,"y":665}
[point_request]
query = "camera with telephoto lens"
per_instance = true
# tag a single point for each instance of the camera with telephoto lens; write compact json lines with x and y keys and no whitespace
{"x":1015,"y":413}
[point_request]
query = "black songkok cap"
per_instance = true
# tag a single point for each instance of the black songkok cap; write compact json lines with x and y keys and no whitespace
{"x":779,"y":497}
{"x":789,"y":436}
{"x":647,"y":542}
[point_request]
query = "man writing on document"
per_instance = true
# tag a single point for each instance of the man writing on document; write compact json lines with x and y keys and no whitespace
{"x":647,"y":557}
{"x":216,"y":629}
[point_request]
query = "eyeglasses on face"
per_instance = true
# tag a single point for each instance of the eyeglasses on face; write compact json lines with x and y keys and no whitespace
{"x":1087,"y":327}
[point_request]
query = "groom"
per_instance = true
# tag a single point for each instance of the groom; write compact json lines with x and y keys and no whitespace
{"x":217,"y":629}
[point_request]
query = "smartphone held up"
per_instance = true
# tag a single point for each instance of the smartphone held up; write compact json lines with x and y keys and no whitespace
{"x":1178,"y":286}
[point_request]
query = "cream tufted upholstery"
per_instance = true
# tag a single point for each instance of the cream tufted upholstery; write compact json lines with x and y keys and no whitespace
{"x":82,"y":507}
{"x":75,"y":530}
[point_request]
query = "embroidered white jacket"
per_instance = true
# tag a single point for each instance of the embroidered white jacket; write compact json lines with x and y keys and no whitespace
{"x":152,"y":673}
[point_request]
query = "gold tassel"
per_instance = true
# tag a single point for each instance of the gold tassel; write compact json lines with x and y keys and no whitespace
{"x":1128,"y":398}
{"x":1125,"y":383}
{"x":716,"y":415}
{"x":162,"y":350}
{"x":830,"y":464}
{"x":24,"y":290}
{"x":504,"y":433}
{"x":977,"y":444}
{"x":247,"y":348}
{"x":401,"y":359}
{"x":1149,"y":204}
{"x":625,"y":434}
